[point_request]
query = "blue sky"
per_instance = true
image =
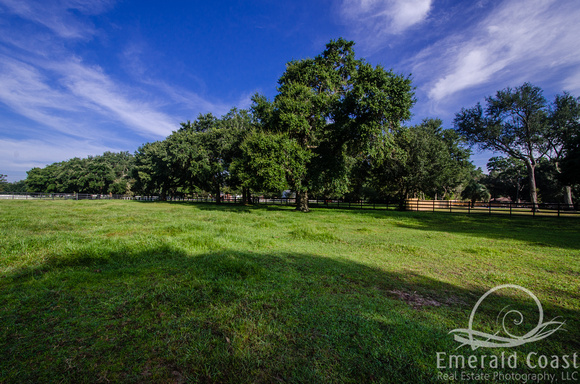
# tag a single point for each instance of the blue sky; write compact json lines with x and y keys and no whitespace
{"x":80,"y":77}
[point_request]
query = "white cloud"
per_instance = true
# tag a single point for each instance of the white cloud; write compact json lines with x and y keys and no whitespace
{"x":473,"y":69}
{"x":517,"y":42}
{"x":379,"y":18}
{"x":408,"y":13}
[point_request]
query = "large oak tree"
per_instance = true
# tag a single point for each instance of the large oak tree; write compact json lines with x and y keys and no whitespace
{"x":330,"y":108}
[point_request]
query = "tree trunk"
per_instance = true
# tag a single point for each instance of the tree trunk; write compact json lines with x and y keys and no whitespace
{"x":532,"y":184}
{"x":568,"y":196}
{"x":218,"y":197}
{"x":163,"y":193}
{"x":302,"y":201}
{"x":245,"y":195}
{"x":403,"y":200}
{"x":567,"y":188}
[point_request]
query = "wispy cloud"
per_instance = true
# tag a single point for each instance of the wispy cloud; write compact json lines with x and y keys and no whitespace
{"x":26,"y":90}
{"x":62,"y":95}
{"x":189,"y":100}
{"x":96,"y":89}
{"x":378,"y":18}
{"x":56,"y":15}
{"x":135,"y":59}
{"x":517,"y":42}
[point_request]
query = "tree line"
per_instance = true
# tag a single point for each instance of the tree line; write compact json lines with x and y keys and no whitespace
{"x":104,"y":174}
{"x":335,"y":130}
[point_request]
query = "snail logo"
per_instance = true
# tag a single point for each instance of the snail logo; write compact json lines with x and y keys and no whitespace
{"x":478,"y":339}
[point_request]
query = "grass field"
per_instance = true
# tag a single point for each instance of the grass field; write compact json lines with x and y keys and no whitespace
{"x":125,"y":291}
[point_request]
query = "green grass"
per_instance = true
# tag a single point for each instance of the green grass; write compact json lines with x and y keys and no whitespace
{"x":123,"y":291}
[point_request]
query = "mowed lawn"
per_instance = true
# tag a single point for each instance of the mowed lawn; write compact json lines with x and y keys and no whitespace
{"x":126,"y":291}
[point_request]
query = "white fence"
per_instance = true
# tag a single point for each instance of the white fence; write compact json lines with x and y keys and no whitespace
{"x":60,"y":196}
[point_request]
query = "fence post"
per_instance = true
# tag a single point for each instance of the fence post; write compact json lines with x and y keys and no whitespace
{"x":534,"y":209}
{"x":489,"y":208}
{"x":433,"y":205}
{"x":558,"y":209}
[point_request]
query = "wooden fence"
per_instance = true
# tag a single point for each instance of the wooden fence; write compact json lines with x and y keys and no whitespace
{"x":494,"y":208}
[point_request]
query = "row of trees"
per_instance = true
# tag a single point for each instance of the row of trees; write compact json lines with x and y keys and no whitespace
{"x":334,"y":130}
{"x":107,"y":173}
{"x":235,"y":155}
{"x":17,"y":186}
{"x":508,"y":177}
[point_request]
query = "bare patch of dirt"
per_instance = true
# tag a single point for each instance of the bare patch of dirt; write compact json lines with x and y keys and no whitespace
{"x":417,"y":301}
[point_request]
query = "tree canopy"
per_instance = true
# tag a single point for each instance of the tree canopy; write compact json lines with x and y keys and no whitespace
{"x":103,"y":174}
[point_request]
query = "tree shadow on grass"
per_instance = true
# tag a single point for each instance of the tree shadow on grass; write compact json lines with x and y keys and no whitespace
{"x":163,"y":315}
{"x":225,"y":207}
{"x":540,"y":231}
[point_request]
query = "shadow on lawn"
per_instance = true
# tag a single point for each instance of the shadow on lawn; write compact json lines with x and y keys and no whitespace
{"x":162,"y":315}
{"x":225,"y":207}
{"x":543,"y":232}
{"x":539,"y":231}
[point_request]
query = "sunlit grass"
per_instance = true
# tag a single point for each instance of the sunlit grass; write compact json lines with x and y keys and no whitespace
{"x":166,"y":292}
